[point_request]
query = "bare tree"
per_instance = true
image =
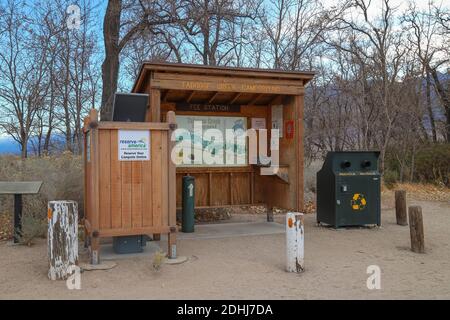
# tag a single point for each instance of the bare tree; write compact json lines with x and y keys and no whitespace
{"x":424,"y":37}
{"x":123,"y":22}
{"x":22,"y":76}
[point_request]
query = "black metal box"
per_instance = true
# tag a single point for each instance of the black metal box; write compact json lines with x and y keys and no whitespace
{"x":348,"y":189}
{"x":129,"y":244}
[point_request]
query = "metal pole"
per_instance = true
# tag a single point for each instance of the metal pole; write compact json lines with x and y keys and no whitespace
{"x":17,"y":217}
{"x":188,"y":204}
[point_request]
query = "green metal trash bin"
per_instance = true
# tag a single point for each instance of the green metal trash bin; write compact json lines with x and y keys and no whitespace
{"x":348,"y":189}
{"x":187,"y":203}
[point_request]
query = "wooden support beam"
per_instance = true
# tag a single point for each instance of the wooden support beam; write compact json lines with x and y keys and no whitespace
{"x":155,"y":105}
{"x":164,"y":96}
{"x":189,"y":97}
{"x":213,"y":97}
{"x":274,"y":99}
{"x":230,"y":185}
{"x":209,"y":188}
{"x":255,"y":98}
{"x":298,"y":138}
{"x":252,"y":187}
{"x":235,"y":97}
{"x":172,"y":236}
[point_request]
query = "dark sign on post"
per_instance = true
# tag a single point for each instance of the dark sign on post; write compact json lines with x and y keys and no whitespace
{"x":183,"y":106}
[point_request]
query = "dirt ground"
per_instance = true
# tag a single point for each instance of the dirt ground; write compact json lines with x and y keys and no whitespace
{"x":252,"y":267}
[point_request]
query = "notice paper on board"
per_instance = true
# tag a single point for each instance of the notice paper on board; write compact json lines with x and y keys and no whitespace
{"x":134,"y":145}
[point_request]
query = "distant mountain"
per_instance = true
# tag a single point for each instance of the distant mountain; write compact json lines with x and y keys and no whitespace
{"x":9,"y":146}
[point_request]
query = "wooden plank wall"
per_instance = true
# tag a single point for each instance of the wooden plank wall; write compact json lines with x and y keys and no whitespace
{"x":132,"y":194}
{"x":219,"y":186}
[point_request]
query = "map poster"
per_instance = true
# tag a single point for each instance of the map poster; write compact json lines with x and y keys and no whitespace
{"x":231,"y":153}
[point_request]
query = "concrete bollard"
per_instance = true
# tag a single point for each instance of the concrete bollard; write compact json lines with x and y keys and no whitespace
{"x":295,"y":247}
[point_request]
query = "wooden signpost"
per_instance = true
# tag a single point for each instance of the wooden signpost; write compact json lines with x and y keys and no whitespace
{"x":18,"y":189}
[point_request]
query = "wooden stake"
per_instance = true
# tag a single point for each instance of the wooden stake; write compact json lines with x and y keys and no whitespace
{"x":295,"y":247}
{"x":62,"y":238}
{"x":416,"y":229}
{"x":400,"y":207}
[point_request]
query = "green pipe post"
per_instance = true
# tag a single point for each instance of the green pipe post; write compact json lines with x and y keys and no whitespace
{"x":188,"y":202}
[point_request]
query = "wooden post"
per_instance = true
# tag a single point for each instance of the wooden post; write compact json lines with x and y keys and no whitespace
{"x":400,"y":207}
{"x":295,"y":247}
{"x":94,"y":250}
{"x":416,"y":229}
{"x":62,"y":238}
{"x":17,"y":218}
{"x":172,"y":237}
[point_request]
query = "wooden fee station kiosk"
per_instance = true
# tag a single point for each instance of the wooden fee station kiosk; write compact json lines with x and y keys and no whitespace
{"x":141,"y":197}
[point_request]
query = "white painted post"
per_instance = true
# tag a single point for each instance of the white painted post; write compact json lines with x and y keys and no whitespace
{"x":295,"y":247}
{"x":62,"y":238}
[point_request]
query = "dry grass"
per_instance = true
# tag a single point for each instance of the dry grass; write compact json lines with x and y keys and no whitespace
{"x":421,"y":191}
{"x":62,"y":178}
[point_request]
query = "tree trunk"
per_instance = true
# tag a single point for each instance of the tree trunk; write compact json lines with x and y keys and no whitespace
{"x":444,"y":97}
{"x":62,"y":238}
{"x":430,"y":108}
{"x":24,"y":146}
{"x":110,"y":66}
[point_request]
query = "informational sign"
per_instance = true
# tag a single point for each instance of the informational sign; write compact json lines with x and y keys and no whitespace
{"x":206,"y":107}
{"x":290,"y":129}
{"x":277,"y":118}
{"x":258,"y":123}
{"x":203,"y":140}
{"x":134,"y":145}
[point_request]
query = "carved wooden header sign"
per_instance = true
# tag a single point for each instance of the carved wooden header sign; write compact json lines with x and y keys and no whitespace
{"x":183,"y":106}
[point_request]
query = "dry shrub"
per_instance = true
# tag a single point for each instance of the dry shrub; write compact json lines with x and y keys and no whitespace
{"x":310,"y":172}
{"x":62,"y":178}
{"x":32,"y":227}
{"x":158,"y":260}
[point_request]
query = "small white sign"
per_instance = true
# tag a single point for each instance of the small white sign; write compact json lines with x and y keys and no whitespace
{"x":134,"y":145}
{"x":277,"y":118}
{"x":258,"y":123}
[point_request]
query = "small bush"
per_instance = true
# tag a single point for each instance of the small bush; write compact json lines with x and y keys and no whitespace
{"x":32,"y":227}
{"x":390,"y":177}
{"x":433,"y":164}
{"x":429,"y":164}
{"x":158,"y":260}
